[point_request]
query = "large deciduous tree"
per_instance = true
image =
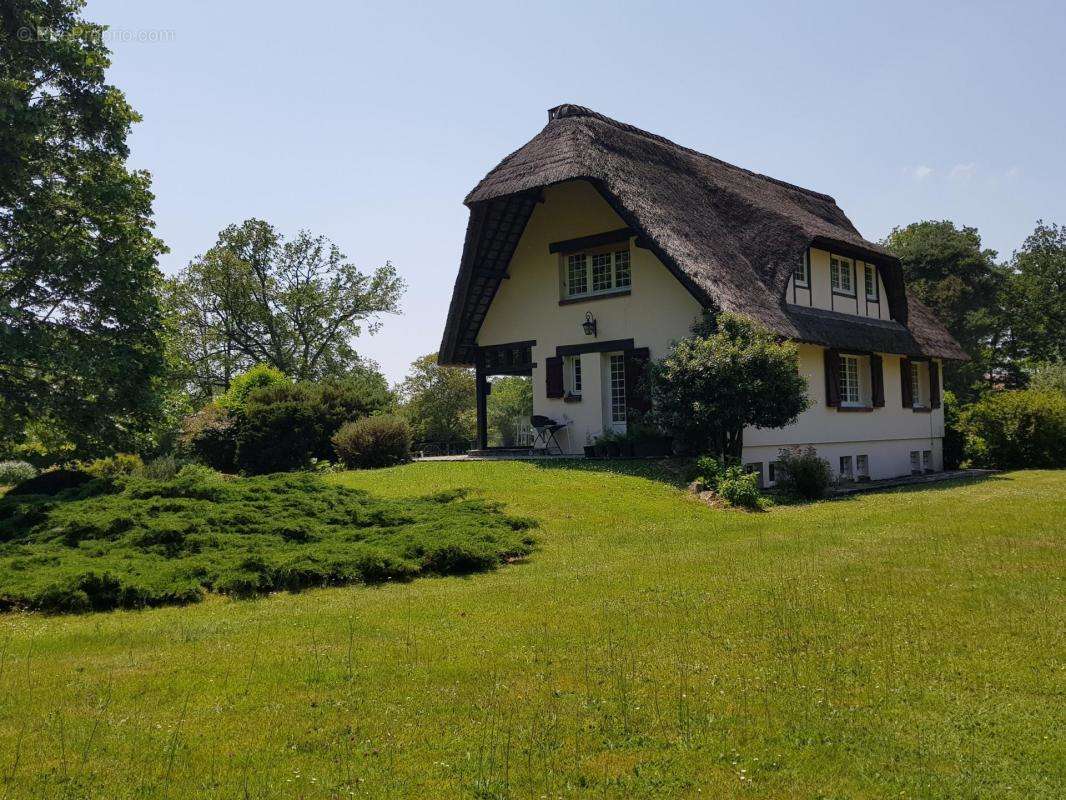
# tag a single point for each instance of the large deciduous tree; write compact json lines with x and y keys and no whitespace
{"x":1037,"y":296}
{"x":80,"y":350}
{"x":729,"y":374}
{"x":255,"y":298}
{"x":948,"y":270}
{"x":438,"y":401}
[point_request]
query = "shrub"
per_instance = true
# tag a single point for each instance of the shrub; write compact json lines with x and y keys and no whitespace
{"x":277,"y":436}
{"x":802,"y":474}
{"x":210,"y":435}
{"x":288,"y":426}
{"x":51,"y":483}
{"x":113,"y":466}
{"x":731,"y":373}
{"x":12,"y":472}
{"x":1016,"y":429}
{"x":1048,"y":376}
{"x":707,"y":472}
{"x":260,"y":376}
{"x":954,"y":439}
{"x":163,"y":468}
{"x":374,"y":442}
{"x":164,"y":542}
{"x":739,"y":488}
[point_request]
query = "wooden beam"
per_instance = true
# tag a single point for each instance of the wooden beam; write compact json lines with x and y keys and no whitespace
{"x":587,"y":242}
{"x":594,"y":347}
{"x":482,"y":400}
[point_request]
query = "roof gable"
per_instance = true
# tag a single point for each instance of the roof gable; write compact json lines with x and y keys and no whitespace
{"x":730,"y":235}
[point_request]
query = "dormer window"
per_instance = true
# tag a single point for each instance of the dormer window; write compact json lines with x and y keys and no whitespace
{"x":597,"y":272}
{"x":870,"y":271}
{"x":840,"y":272}
{"x":802,"y":275}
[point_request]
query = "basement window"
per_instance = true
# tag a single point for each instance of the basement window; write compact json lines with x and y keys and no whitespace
{"x":846,"y":473}
{"x":862,"y":466}
{"x":596,"y":273}
{"x":916,"y":462}
{"x":755,"y":467}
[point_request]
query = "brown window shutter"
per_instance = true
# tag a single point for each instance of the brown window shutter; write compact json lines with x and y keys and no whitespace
{"x":638,"y":389}
{"x":832,"y":377}
{"x":906,"y":387}
{"x":553,"y":370}
{"x":877,"y":381}
{"x":934,"y":384}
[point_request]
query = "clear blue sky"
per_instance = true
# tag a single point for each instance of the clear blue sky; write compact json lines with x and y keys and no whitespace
{"x":369,"y":122}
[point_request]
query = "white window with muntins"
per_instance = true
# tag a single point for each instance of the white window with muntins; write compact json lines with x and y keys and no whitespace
{"x":621,"y":269}
{"x":870,"y":271}
{"x":916,"y":462}
{"x":927,"y":461}
{"x":840,"y":274}
{"x":918,"y":390}
{"x":595,"y":273}
{"x":801,"y":276}
{"x":617,"y":388}
{"x":577,"y":281}
{"x":572,"y":376}
{"x":849,"y":381}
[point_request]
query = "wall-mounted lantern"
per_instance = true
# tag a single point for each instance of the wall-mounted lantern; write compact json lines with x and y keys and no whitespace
{"x":589,"y":324}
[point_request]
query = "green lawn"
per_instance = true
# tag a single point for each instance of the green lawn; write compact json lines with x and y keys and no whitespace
{"x":906,"y":644}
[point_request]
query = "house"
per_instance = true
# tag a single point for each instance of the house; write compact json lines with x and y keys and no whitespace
{"x":596,"y":245}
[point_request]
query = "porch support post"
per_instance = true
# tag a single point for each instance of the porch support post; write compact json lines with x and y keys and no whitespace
{"x":481,"y":387}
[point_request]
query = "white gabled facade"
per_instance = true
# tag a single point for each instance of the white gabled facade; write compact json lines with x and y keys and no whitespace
{"x":637,"y":302}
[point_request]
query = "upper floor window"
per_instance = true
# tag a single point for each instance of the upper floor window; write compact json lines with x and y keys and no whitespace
{"x":840,"y":273}
{"x":595,"y":273}
{"x":802,"y":275}
{"x":870,"y":271}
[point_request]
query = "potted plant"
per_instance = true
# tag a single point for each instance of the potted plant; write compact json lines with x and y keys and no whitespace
{"x":608,"y":445}
{"x":590,"y":447}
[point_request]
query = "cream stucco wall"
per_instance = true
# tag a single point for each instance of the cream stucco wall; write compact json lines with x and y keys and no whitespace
{"x":526,"y":307}
{"x":658,"y":311}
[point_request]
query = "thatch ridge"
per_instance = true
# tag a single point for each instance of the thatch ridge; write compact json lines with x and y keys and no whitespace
{"x":730,"y":235}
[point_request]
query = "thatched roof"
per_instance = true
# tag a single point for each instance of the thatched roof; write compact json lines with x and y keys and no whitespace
{"x":731,"y":236}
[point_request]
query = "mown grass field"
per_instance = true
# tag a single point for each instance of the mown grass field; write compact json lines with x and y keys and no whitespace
{"x":910,"y":644}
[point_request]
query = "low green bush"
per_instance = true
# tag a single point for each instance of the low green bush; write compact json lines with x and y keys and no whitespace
{"x":1016,"y":429}
{"x":160,"y":469}
{"x":802,"y":474}
{"x":739,"y":488}
{"x":51,"y":483}
{"x":707,"y":472}
{"x":12,"y":472}
{"x":113,"y":466}
{"x":374,"y":442}
{"x":152,"y":542}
